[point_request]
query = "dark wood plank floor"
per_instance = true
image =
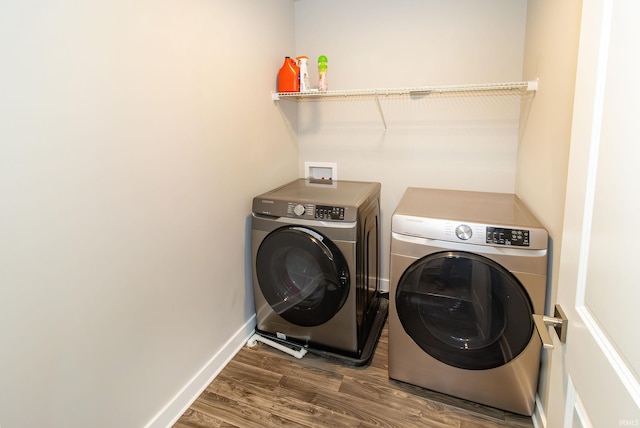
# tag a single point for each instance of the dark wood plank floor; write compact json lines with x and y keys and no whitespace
{"x":263,"y":387}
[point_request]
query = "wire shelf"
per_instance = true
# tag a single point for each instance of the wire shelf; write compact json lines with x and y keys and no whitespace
{"x":418,"y":90}
{"x":527,"y":86}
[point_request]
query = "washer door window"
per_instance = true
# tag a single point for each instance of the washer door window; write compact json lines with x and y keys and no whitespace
{"x":303,"y":275}
{"x":464,"y":310}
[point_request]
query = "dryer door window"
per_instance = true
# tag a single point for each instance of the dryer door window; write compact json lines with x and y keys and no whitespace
{"x":302,"y":275}
{"x":464,"y":310}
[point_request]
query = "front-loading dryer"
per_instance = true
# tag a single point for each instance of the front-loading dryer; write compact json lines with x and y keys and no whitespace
{"x":316,"y":262}
{"x":467,"y":272}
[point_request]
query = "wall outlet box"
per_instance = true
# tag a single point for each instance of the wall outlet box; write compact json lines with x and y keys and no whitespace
{"x":321,"y":171}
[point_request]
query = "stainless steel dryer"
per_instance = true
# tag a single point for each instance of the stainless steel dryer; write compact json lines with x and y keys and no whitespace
{"x":467,"y":272}
{"x":316,"y":262}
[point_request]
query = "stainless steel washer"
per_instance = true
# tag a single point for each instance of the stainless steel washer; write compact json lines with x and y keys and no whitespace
{"x":316,"y":263}
{"x":467,"y":271}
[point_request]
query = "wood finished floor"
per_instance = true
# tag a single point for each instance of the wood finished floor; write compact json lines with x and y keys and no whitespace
{"x":262,"y":387}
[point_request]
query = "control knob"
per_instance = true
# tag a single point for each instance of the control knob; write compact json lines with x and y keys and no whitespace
{"x":298,"y":210}
{"x":464,"y":232}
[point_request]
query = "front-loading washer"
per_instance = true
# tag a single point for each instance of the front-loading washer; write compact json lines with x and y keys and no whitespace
{"x":467,"y":272}
{"x":316,"y":265}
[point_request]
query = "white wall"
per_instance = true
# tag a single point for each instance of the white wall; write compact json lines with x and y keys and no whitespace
{"x":551,"y":53}
{"x":455,"y":141}
{"x":132,"y":138}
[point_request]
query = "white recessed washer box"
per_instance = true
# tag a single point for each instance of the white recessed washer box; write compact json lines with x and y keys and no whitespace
{"x":321,"y":171}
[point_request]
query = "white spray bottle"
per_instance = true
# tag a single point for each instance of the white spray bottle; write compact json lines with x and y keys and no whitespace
{"x":304,"y":73}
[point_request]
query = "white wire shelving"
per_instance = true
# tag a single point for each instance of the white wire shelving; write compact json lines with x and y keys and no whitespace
{"x":526,"y":86}
{"x":418,"y":90}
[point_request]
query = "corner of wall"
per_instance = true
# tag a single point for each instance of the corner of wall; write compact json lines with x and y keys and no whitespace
{"x":172,"y":411}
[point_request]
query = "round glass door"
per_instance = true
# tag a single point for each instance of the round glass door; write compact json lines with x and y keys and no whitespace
{"x":302,"y":275}
{"x":464,"y":310}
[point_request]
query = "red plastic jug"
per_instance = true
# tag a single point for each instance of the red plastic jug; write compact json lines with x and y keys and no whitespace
{"x":289,"y":76}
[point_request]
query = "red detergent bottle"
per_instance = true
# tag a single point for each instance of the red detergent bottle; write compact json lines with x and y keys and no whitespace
{"x":289,"y":76}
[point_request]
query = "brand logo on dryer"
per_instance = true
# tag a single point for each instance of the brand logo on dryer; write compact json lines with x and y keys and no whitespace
{"x":413,"y":219}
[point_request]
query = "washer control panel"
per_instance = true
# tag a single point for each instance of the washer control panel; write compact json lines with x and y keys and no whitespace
{"x":505,"y":236}
{"x":325,"y":212}
{"x":312,"y":211}
{"x":496,"y":235}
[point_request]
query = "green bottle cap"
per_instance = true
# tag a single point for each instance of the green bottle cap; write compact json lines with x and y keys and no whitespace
{"x":322,"y":58}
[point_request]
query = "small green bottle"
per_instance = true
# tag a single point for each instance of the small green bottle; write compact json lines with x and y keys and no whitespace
{"x":322,"y":73}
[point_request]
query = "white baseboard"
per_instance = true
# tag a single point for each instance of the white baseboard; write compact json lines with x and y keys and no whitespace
{"x":168,"y":416}
{"x":539,"y":418}
{"x":384,"y":285}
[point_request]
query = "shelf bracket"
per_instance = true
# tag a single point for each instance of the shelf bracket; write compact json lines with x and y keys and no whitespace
{"x":384,"y":122}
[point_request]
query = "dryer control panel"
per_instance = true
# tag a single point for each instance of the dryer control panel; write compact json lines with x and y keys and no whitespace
{"x":325,"y":212}
{"x":306,"y":210}
{"x":504,"y":236}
